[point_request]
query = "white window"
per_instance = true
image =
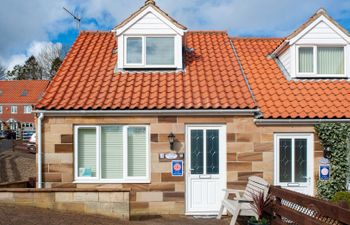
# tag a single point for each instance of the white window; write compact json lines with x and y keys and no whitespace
{"x":112,"y":154}
{"x":27,"y":109}
{"x":150,"y":52}
{"x":14,"y":109}
{"x":0,"y":109}
{"x":321,"y":60}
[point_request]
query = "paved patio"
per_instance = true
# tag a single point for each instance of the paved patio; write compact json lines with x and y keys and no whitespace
{"x":23,"y":215}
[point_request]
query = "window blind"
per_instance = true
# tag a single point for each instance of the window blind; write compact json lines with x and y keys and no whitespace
{"x":112,"y":152}
{"x":306,"y":60}
{"x":137,"y":151}
{"x":87,"y":152}
{"x":330,"y":60}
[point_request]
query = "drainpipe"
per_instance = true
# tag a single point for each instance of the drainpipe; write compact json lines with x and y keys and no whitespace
{"x":39,"y":141}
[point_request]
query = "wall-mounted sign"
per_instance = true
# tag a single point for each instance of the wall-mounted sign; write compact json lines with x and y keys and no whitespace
{"x":325,"y":169}
{"x":177,"y":168}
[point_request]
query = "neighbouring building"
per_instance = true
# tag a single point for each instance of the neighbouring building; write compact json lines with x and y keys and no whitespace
{"x":16,"y":100}
{"x":128,"y":107}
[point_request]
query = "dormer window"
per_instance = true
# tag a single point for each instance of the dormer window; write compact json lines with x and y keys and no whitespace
{"x":150,"y":40}
{"x":326,"y":61}
{"x":150,"y":51}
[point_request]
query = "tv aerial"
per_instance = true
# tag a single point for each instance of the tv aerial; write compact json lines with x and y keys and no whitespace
{"x":76,"y":17}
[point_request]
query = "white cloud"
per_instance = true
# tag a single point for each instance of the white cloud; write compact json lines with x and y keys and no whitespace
{"x":34,"y":49}
{"x":25,"y":22}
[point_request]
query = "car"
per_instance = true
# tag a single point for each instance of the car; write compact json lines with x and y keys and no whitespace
{"x":10,"y":134}
{"x":31,"y":145}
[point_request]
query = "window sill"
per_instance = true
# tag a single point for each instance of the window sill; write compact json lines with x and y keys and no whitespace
{"x":111,"y":182}
{"x":323,"y":76}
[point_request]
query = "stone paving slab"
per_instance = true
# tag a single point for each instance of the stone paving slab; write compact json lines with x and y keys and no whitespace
{"x":23,"y":215}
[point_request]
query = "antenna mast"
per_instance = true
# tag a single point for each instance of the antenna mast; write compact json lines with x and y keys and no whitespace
{"x":75,"y":17}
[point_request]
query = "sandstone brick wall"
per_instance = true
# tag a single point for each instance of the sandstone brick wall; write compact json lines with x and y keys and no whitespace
{"x":249,"y":152}
{"x":97,"y":202}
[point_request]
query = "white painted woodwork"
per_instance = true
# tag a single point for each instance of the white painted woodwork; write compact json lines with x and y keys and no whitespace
{"x":153,"y":24}
{"x":301,"y":187}
{"x":321,"y":32}
{"x":204,"y":192}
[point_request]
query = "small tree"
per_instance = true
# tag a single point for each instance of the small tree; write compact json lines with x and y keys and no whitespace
{"x":2,"y":72}
{"x":55,"y":66}
{"x":46,"y":58}
{"x":31,"y":70}
{"x":335,"y":135}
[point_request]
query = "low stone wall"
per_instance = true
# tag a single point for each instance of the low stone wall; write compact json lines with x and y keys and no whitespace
{"x":105,"y":202}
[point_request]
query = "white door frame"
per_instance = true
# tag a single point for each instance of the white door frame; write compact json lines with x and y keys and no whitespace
{"x":222,"y":163}
{"x":310,"y":157}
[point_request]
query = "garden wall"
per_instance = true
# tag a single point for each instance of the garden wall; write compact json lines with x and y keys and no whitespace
{"x":105,"y":202}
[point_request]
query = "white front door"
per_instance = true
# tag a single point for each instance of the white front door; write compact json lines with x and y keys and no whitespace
{"x":294,"y":162}
{"x":206,"y":168}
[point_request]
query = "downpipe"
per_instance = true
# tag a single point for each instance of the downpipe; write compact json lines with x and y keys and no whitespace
{"x":39,"y":141}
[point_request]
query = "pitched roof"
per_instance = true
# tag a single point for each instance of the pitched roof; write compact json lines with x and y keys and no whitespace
{"x":319,"y":13}
{"x":86,"y":80}
{"x":151,"y":3}
{"x":279,"y":98}
{"x":22,"y":91}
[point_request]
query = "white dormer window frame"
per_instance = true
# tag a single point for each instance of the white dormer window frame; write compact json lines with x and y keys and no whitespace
{"x":315,"y":73}
{"x":143,"y":63}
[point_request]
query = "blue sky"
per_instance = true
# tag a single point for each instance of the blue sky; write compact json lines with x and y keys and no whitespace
{"x":27,"y":26}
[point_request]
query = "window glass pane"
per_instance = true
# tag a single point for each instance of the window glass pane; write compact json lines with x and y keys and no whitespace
{"x":330,"y":60}
{"x":285,"y":160}
{"x":137,"y":151}
{"x":300,"y":164}
{"x":160,"y":51}
{"x":87,"y":152}
{"x":306,"y":60}
{"x":134,"y":50}
{"x":212,"y":152}
{"x":112,"y":152}
{"x":197,"y":151}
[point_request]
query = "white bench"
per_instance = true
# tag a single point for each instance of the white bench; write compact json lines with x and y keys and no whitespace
{"x":241,"y":204}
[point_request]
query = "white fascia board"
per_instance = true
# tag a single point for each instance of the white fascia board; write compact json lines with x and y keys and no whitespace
{"x":121,"y":30}
{"x":271,"y":122}
{"x":314,"y":24}
{"x":208,"y":112}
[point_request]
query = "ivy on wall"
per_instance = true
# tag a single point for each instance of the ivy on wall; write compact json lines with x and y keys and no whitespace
{"x":335,"y":135}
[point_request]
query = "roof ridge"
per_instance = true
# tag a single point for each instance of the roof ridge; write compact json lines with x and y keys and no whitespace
{"x":261,"y":38}
{"x":95,"y":31}
{"x":207,"y":31}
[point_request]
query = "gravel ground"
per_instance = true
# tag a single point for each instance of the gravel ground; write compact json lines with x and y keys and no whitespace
{"x":23,"y":215}
{"x":16,"y":165}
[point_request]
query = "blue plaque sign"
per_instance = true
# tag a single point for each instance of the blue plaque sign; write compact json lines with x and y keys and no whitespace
{"x":177,"y":168}
{"x":325,"y":172}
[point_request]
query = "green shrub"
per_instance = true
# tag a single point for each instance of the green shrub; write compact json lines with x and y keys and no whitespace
{"x":341,"y":198}
{"x":335,"y":135}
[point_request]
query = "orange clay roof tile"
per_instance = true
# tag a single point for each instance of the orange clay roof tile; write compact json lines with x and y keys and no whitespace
{"x":211,"y":78}
{"x":279,"y":98}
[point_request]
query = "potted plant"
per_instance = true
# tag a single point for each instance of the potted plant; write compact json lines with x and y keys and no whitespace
{"x":259,"y":202}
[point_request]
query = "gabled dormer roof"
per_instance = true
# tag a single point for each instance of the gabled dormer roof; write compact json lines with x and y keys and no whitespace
{"x":320,"y":16}
{"x":150,"y":5}
{"x":313,"y":20}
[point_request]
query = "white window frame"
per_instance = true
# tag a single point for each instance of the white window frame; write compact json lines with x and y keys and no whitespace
{"x":14,"y":111}
{"x":1,"y":107}
{"x":25,"y":109}
{"x":315,"y":73}
{"x":310,"y":156}
{"x":144,"y":53}
{"x":98,"y":178}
